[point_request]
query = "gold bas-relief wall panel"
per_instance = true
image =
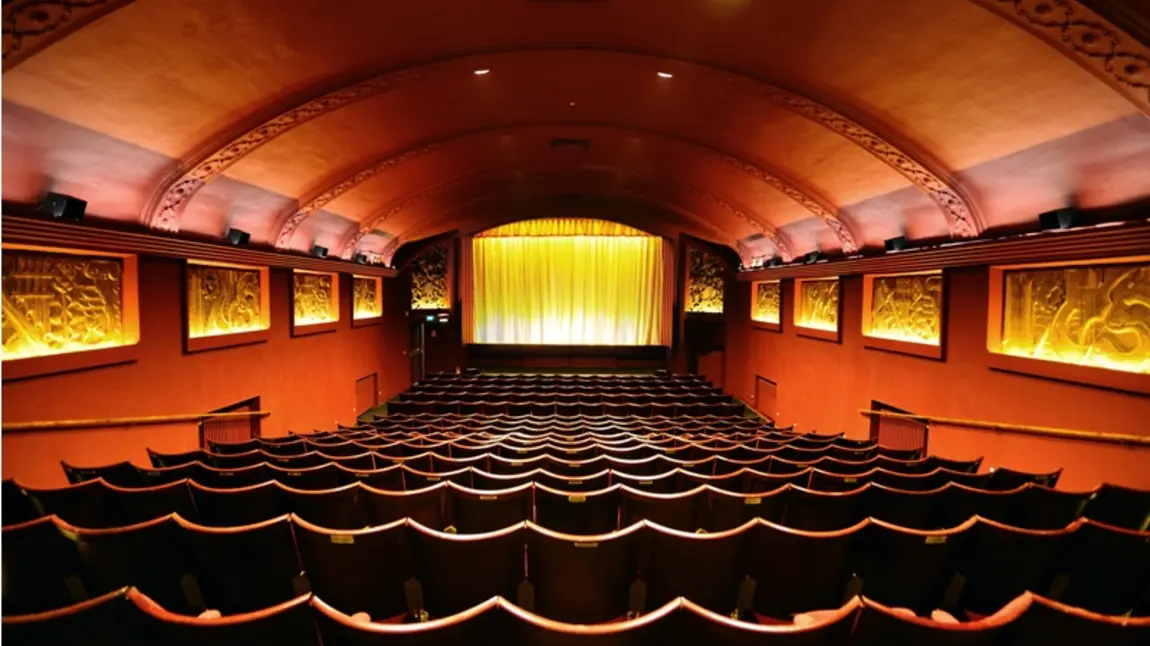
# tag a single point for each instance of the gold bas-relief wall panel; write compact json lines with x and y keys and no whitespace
{"x":313,"y":298}
{"x":907,"y":308}
{"x":1096,"y":315}
{"x":429,"y":280}
{"x":818,"y":306}
{"x":366,"y":299}
{"x":768,"y":304}
{"x":60,"y":303}
{"x":223,"y":300}
{"x":704,"y":282}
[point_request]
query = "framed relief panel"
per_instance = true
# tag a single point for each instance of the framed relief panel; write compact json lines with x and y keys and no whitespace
{"x":67,"y":309}
{"x":904,"y":313}
{"x":225,"y":305}
{"x":818,"y":308}
{"x":767,"y":304}
{"x":367,"y":300}
{"x":1084,"y":322}
{"x":315,"y":302}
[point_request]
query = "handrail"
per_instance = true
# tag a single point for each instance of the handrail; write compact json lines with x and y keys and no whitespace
{"x":24,"y":427}
{"x":1046,"y":431}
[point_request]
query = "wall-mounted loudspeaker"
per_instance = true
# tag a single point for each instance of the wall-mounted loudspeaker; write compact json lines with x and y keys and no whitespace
{"x":62,"y":207}
{"x":1066,"y":218}
{"x":361,"y":258}
{"x":318,"y":251}
{"x":238,"y":238}
{"x":775,"y":261}
{"x":896,"y":244}
{"x":812,"y":257}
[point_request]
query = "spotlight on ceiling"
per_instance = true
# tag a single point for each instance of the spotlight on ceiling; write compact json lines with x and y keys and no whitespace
{"x":665,"y":75}
{"x":318,"y":251}
{"x":482,"y":72}
{"x":896,"y":244}
{"x":1065,"y":218}
{"x":238,"y":238}
{"x":812,"y":257}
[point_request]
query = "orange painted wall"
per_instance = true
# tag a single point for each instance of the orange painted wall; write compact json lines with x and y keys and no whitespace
{"x":306,"y":382}
{"x":822,"y":385}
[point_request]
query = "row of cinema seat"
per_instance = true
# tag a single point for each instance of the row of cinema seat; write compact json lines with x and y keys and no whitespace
{"x":609,"y":405}
{"x":758,"y":572}
{"x":127,"y":616}
{"x":559,"y":423}
{"x":450,"y":504}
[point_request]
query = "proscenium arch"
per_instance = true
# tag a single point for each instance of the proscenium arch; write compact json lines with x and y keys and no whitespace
{"x":397,"y":206}
{"x":164,"y":208}
{"x":792,"y":188}
{"x":488,"y":176}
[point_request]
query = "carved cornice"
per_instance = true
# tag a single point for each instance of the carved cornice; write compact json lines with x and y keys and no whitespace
{"x":1130,"y":239}
{"x":792,"y":188}
{"x":29,"y":231}
{"x":1095,"y":43}
{"x":32,"y":25}
{"x":163,"y":211}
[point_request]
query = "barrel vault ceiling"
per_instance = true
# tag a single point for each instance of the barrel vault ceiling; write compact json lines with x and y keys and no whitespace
{"x":772,"y":126}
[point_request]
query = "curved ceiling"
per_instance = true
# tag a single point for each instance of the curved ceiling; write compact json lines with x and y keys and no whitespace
{"x":767,"y":125}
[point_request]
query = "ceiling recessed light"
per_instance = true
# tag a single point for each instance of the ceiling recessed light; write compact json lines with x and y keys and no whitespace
{"x":666,"y":75}
{"x":572,"y":104}
{"x":482,"y":72}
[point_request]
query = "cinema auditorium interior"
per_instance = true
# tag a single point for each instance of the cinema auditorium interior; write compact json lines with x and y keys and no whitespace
{"x":576,"y":323}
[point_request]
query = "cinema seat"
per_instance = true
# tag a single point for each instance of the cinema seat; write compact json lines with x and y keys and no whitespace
{"x":1120,"y":507}
{"x":792,"y":571}
{"x":83,"y":505}
{"x":165,"y":475}
{"x":245,"y":568}
{"x":695,"y":624}
{"x":389,"y":478}
{"x":829,"y":482}
{"x":928,"y":481}
{"x":140,"y":504}
{"x":290,"y":623}
{"x":154,"y":556}
{"x":1040,"y":507}
{"x":965,"y":466}
{"x":336,"y":508}
{"x":1049,"y":622}
{"x":925,"y":465}
{"x":123,"y":474}
{"x":230,"y":478}
{"x":301,"y":461}
{"x":483,"y":624}
{"x":593,"y":482}
{"x":358,"y":571}
{"x":880,"y":625}
{"x":457,"y":572}
{"x":426,"y":506}
{"x":234,"y":507}
{"x":706,"y":568}
{"x":591,"y":512}
{"x":823,"y":511}
{"x":729,"y":510}
{"x":1105,"y":570}
{"x":325,"y":476}
{"x":682,"y":511}
{"x":15,"y":506}
{"x":960,"y":502}
{"x":910,"y":509}
{"x":108,"y":620}
{"x":657,"y":483}
{"x":41,"y":569}
{"x":582,"y":579}
{"x":175,"y":459}
{"x":908,"y":568}
{"x":236,"y":460}
{"x":362,"y":461}
{"x":414,"y":479}
{"x":1002,"y":562}
{"x":473,"y":511}
{"x":241,"y":447}
{"x":1005,"y":479}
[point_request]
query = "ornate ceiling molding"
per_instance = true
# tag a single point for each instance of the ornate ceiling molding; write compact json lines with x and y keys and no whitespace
{"x":391,"y":210}
{"x":32,"y":25}
{"x":806,"y":197}
{"x":164,"y":209}
{"x":1117,"y":58}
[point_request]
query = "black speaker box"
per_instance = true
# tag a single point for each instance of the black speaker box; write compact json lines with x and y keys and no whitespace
{"x":1066,"y":218}
{"x":62,"y":207}
{"x":238,"y":238}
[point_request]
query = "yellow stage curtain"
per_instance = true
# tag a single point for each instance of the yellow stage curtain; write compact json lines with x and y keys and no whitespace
{"x":573,"y":289}
{"x":561,"y":227}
